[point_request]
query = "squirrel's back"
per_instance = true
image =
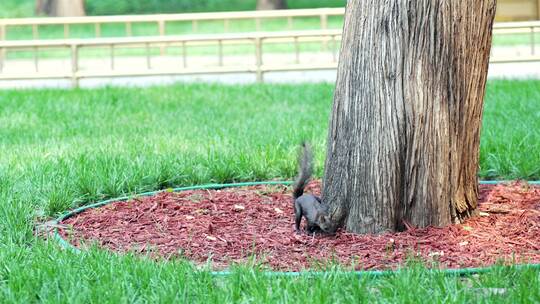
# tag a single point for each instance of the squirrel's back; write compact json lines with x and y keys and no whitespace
{"x":305,"y":170}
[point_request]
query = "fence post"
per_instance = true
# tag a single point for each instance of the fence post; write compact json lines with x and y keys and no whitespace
{"x":334,"y":55}
{"x":324,"y":22}
{"x":129,"y":31}
{"x":35,"y":31}
{"x":74,"y":66}
{"x":258,"y":24}
{"x":532,"y":41}
{"x":36,"y":59}
{"x":226,"y":25}
{"x":112,"y":56}
{"x":98,"y":29}
{"x":296,"y":50}
{"x":148,"y":63}
{"x":161,"y":26}
{"x":184,"y":55}
{"x":220,"y":52}
{"x":2,"y":56}
{"x":2,"y":50}
{"x":324,"y":26}
{"x":66,"y":30}
{"x":258,"y":59}
{"x":3,"y":32}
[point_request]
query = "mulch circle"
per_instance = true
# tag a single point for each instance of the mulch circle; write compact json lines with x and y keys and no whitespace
{"x":231,"y":225}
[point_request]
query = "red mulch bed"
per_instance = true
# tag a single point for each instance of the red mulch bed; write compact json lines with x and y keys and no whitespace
{"x":231,"y":225}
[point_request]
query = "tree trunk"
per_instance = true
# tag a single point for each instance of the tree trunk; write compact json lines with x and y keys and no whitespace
{"x":43,"y":7}
{"x":60,"y":8}
{"x":404,"y":137}
{"x":271,"y":4}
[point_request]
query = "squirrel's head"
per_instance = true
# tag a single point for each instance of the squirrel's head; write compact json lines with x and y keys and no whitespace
{"x":324,"y":222}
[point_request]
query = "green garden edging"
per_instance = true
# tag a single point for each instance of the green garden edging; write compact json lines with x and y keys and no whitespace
{"x":373,"y":273}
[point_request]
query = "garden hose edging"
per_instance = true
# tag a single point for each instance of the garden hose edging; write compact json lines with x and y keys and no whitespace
{"x":369,"y":273}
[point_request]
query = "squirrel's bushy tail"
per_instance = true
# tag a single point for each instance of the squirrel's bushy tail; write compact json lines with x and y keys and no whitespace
{"x":305,"y":170}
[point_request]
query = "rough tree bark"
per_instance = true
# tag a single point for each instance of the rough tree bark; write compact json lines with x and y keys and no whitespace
{"x":403,"y":143}
{"x":271,"y":4}
{"x":60,"y":8}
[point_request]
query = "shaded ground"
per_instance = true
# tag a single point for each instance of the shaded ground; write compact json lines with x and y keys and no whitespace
{"x":232,"y":225}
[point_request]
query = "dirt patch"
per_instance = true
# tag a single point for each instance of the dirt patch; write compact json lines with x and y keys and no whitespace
{"x":232,"y":225}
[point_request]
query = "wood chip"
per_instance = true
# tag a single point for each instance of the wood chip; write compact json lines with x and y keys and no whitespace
{"x":239,"y":208}
{"x":497,"y":210}
{"x":233,"y":224}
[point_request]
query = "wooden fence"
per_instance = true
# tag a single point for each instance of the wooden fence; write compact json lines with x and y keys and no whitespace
{"x":508,"y":10}
{"x":256,"y":52}
{"x":175,"y":65}
{"x":163,"y":20}
{"x":257,"y":45}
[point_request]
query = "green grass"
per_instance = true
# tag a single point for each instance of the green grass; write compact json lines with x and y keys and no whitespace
{"x":16,"y":8}
{"x":97,"y":277}
{"x":517,"y":40}
{"x":64,"y":148}
{"x":510,"y":145}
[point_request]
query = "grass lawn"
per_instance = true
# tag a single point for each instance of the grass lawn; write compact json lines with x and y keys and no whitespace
{"x":64,"y":148}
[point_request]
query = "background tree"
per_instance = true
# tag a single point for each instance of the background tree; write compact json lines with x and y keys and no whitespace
{"x":271,"y":4}
{"x":60,"y":8}
{"x":403,"y":143}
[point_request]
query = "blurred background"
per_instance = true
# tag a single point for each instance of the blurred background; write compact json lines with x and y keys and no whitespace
{"x":27,"y":8}
{"x":508,"y":10}
{"x":103,"y":42}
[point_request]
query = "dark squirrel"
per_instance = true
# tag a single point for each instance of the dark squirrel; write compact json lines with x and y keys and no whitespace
{"x":308,"y":206}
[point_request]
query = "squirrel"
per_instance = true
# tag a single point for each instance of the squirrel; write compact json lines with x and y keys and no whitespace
{"x":308,"y":205}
